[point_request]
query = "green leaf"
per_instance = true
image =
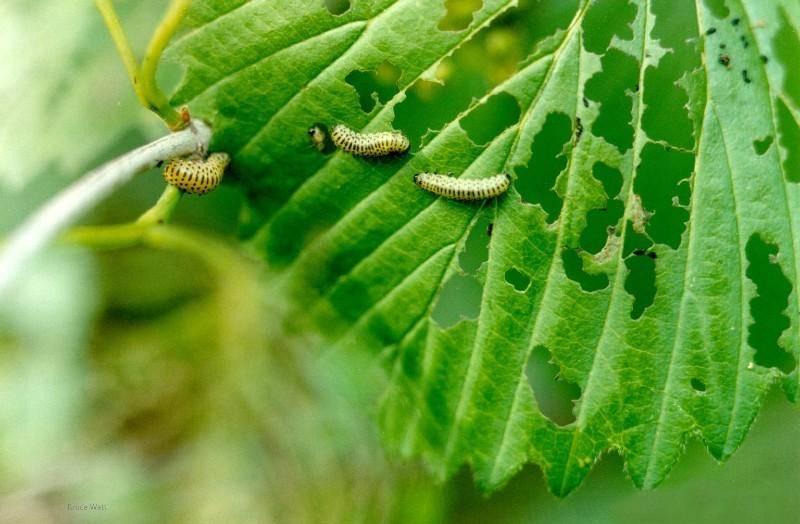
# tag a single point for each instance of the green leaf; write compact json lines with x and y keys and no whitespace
{"x":644,"y":261}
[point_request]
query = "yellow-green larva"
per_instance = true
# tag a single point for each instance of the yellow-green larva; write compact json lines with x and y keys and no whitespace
{"x":196,"y":176}
{"x":318,"y":137}
{"x":463,"y":189}
{"x":369,"y":144}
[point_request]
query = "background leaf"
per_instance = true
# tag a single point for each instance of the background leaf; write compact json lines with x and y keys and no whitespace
{"x":646,"y":254}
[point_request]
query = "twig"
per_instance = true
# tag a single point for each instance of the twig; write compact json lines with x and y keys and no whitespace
{"x":77,"y":199}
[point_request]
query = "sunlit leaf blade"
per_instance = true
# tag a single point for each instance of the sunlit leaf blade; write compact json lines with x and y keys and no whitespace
{"x":648,"y":247}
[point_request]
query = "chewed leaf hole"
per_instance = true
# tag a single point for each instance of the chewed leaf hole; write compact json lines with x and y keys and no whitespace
{"x":573,"y":267}
{"x":555,"y":395}
{"x":762,"y":146}
{"x":337,"y":7}
{"x":476,"y":247}
{"x":767,"y":308}
{"x":485,"y":122}
{"x":641,"y":279}
{"x":459,"y":14}
{"x":789,"y":137}
{"x":460,"y":299}
{"x":375,"y":86}
{"x":600,"y":222}
{"x":536,"y":181}
{"x":718,"y":8}
{"x":661,"y":182}
{"x":698,"y":385}
{"x":519,"y":279}
{"x":603,"y":20}
{"x":613,"y":88}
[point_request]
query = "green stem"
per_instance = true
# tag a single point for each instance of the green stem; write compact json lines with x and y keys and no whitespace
{"x":163,"y":33}
{"x":143,"y":77}
{"x":107,"y":237}
{"x":131,"y":234}
{"x":162,"y":211}
{"x":106,"y":8}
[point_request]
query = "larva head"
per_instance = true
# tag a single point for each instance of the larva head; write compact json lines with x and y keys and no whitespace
{"x":318,"y":136}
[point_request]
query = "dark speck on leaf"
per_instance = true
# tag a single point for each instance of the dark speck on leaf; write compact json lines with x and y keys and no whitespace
{"x":764,"y":58}
{"x":652,"y":254}
{"x":585,"y":102}
{"x":736,"y":21}
{"x":725,"y":60}
{"x":746,"y":76}
{"x":638,"y":252}
{"x":490,"y":228}
{"x":711,"y":31}
{"x":745,"y":43}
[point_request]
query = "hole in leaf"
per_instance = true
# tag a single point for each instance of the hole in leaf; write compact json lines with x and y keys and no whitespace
{"x":459,"y":14}
{"x":640,"y":281}
{"x":612,"y":88}
{"x":609,"y":177}
{"x":573,"y":267}
{"x":519,"y":279}
{"x":337,"y":7}
{"x":555,"y":395}
{"x":698,"y":385}
{"x":762,"y":146}
{"x":767,"y":309}
{"x":717,"y":8}
{"x":535,"y":181}
{"x":476,"y":247}
{"x":601,"y":222}
{"x":603,"y":20}
{"x":662,"y":183}
{"x":459,"y":299}
{"x":491,"y":118}
{"x":789,"y":137}
{"x":375,"y":86}
{"x":430,"y":105}
{"x":787,"y":51}
{"x":666,"y":115}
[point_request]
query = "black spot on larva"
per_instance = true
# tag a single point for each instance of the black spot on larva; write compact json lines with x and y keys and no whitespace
{"x":711,"y":31}
{"x":746,"y":76}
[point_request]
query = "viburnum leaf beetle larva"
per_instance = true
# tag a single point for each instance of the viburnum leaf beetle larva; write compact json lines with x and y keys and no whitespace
{"x":463,"y":189}
{"x":196,"y":176}
{"x":369,"y":144}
